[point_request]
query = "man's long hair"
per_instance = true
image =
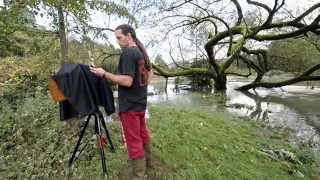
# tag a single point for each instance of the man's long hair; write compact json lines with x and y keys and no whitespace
{"x":125,"y":29}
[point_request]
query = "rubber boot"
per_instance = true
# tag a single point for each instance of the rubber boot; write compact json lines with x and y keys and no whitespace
{"x":138,"y":168}
{"x":147,"y":153}
{"x":129,"y":172}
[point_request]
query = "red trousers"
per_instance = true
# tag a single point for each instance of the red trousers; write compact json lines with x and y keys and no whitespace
{"x":135,"y":133}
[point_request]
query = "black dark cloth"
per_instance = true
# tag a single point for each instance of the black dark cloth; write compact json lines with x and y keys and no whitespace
{"x":133,"y":98}
{"x":83,"y":91}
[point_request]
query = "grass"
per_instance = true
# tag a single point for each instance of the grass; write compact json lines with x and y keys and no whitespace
{"x":189,"y":143}
{"x":201,"y":145}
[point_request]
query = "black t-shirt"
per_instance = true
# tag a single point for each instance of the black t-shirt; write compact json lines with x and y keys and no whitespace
{"x":133,"y":98}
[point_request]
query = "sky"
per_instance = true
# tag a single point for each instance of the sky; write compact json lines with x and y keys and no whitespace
{"x":146,"y":34}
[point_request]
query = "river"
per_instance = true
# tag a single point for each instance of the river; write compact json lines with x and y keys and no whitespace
{"x":291,"y":109}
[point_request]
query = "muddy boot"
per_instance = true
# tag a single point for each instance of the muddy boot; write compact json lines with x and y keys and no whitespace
{"x":138,"y":168}
{"x":126,"y":172}
{"x":147,"y":152}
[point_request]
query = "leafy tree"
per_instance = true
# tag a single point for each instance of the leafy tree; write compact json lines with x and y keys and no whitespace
{"x":200,"y":81}
{"x":293,"y":55}
{"x":78,"y":10}
{"x":13,"y":18}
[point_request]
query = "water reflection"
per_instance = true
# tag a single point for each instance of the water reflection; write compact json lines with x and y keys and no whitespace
{"x":294,"y":109}
{"x":277,"y":113}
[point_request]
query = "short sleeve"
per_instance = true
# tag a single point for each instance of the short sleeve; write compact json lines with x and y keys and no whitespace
{"x":127,"y":64}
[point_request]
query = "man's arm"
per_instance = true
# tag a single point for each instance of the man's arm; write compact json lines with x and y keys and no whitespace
{"x":122,"y":80}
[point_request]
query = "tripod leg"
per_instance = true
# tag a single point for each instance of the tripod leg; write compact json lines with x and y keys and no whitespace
{"x":107,"y":133}
{"x":72,"y":159}
{"x":101,"y":145}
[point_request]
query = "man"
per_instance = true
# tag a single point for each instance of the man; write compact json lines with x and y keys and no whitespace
{"x":134,"y":73}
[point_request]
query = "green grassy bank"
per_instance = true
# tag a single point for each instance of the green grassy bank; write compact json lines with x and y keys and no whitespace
{"x":187,"y":143}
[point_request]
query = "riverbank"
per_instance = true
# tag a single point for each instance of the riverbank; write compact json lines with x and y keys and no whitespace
{"x":208,"y":145}
{"x":188,"y":144}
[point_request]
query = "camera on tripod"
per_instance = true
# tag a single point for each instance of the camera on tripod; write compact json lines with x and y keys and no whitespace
{"x":79,"y":94}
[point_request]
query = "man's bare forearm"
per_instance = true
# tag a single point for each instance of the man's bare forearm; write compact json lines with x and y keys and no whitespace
{"x":122,"y":80}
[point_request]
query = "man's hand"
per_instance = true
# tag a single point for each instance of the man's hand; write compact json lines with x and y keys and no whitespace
{"x":97,"y":71}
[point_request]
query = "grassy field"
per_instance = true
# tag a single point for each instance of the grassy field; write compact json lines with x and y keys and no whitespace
{"x":187,"y":143}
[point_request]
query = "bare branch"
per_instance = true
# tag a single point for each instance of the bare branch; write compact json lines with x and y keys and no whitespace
{"x":259,"y":52}
{"x":178,"y":5}
{"x":303,"y":77}
{"x":237,"y":74}
{"x":180,"y":50}
{"x":307,"y":12}
{"x":251,"y":64}
{"x":267,"y":8}
{"x":239,"y":10}
{"x":286,"y":35}
{"x":107,"y":55}
{"x":171,"y":56}
{"x":187,"y":72}
{"x":100,"y":28}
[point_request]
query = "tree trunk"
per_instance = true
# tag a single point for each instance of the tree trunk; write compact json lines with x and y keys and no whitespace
{"x":220,"y":82}
{"x":62,"y":36}
{"x":258,"y":78}
{"x":5,"y":4}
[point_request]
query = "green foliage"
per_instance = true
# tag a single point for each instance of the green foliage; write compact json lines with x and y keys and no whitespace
{"x":113,"y":8}
{"x":81,"y":11}
{"x":20,"y":16}
{"x":13,"y":18}
{"x":200,"y":81}
{"x":88,"y":51}
{"x":35,"y":144}
{"x":292,"y":55}
{"x":22,"y":77}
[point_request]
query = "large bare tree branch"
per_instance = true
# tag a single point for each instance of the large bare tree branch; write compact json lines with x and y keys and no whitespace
{"x":306,"y":76}
{"x":185,"y":72}
{"x":251,"y":64}
{"x":259,"y":53}
{"x":238,"y":74}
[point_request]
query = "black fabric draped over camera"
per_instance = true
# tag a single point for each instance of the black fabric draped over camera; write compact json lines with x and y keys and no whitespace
{"x":83,"y":91}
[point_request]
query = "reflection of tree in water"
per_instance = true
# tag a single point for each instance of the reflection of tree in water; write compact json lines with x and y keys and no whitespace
{"x":312,"y":139}
{"x":176,"y":88}
{"x":258,"y":113}
{"x":159,"y":88}
{"x":221,"y":98}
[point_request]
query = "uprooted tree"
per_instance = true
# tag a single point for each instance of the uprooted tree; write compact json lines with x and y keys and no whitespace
{"x":236,"y":34}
